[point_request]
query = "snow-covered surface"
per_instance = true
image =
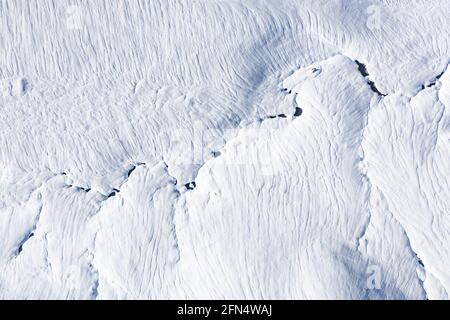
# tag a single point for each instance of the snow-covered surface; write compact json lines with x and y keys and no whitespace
{"x":225,"y":149}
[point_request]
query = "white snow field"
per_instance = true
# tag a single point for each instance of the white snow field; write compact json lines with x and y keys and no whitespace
{"x":224,"y":149}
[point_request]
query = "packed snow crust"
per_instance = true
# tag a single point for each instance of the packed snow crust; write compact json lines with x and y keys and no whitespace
{"x":223,"y":149}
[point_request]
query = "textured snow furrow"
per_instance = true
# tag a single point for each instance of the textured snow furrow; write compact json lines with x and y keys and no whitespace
{"x":224,"y":149}
{"x":148,"y":241}
{"x":378,"y":206}
{"x":410,"y":277}
{"x":256,"y":280}
{"x":415,"y":141}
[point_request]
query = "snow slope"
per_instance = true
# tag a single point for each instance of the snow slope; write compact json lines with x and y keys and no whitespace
{"x":211,"y":149}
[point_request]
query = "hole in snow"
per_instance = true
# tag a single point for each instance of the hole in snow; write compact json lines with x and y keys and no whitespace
{"x":363,"y":70}
{"x":190,"y":185}
{"x":20,"y":248}
{"x":421,"y":262}
{"x":131,"y":170}
{"x":112,"y":194}
{"x":298,"y":112}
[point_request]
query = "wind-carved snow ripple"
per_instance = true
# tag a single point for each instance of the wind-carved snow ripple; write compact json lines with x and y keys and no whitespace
{"x":293,"y":210}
